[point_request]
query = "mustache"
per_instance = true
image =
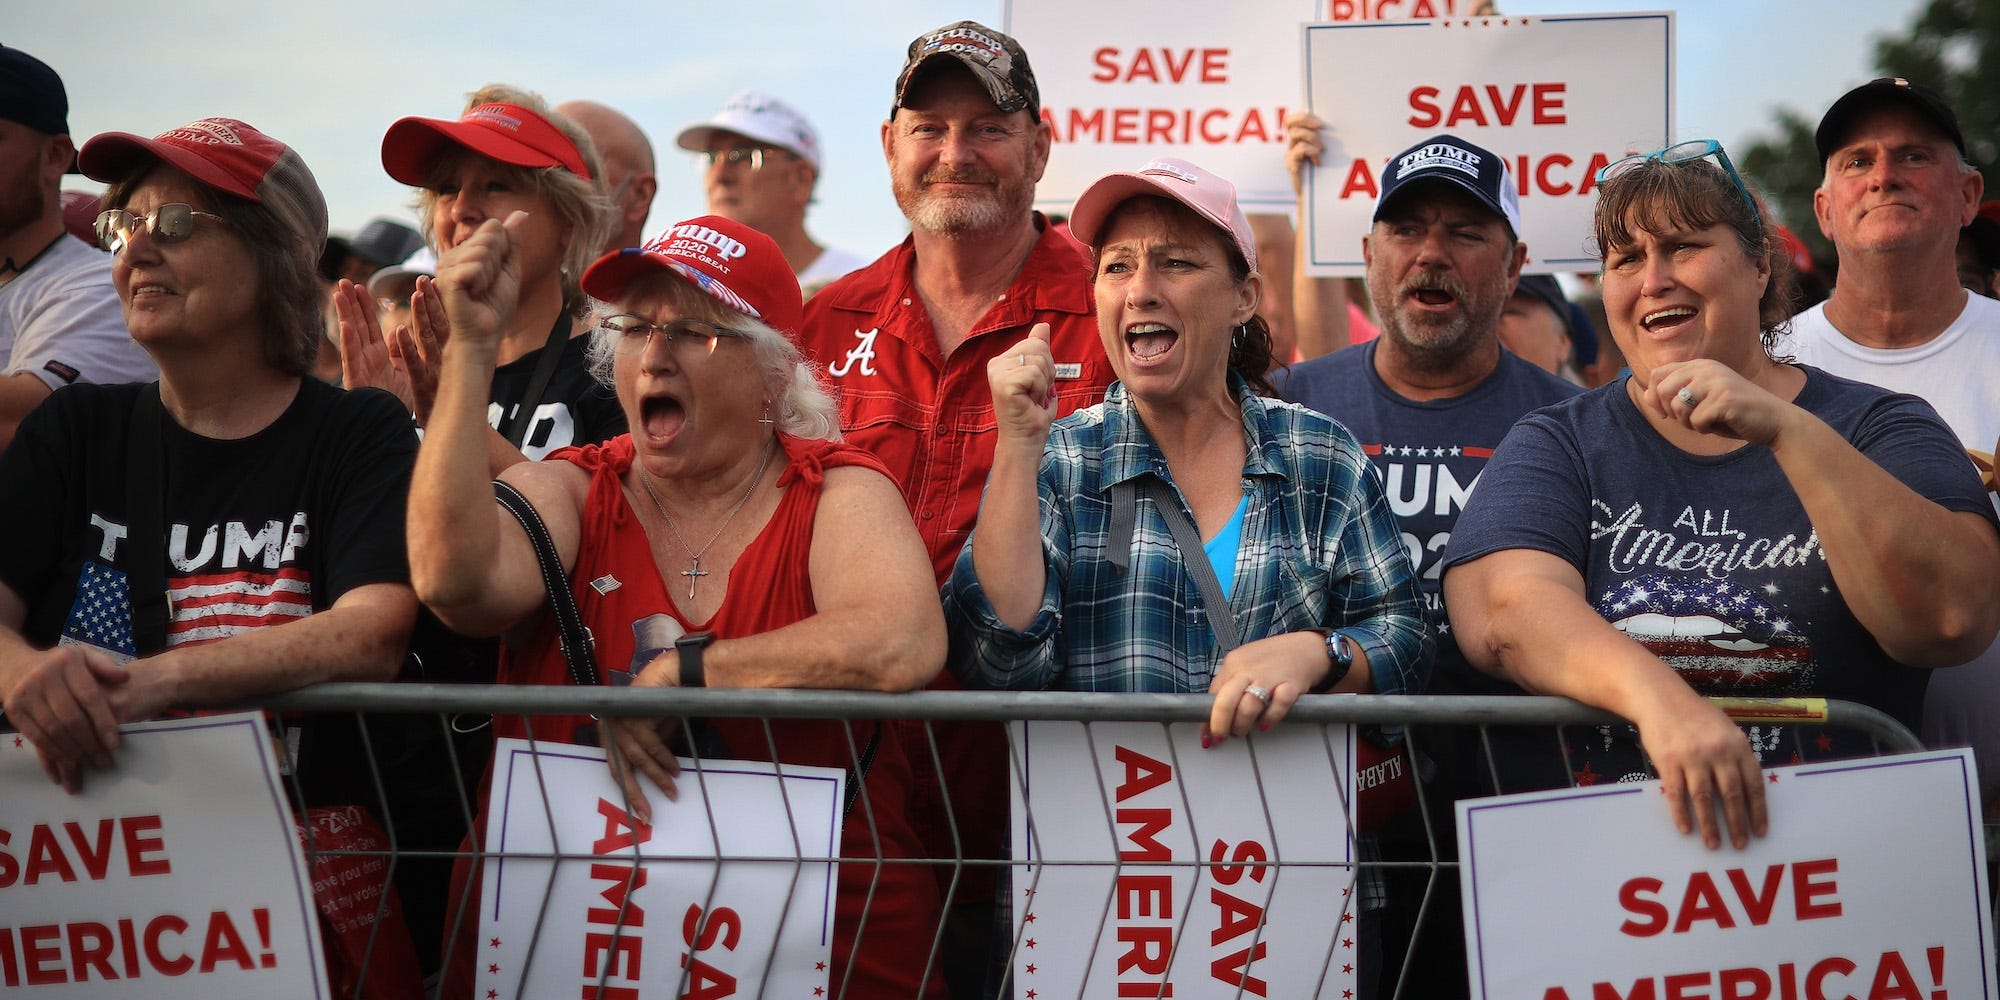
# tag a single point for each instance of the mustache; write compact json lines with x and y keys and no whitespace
{"x":946,"y":175}
{"x":1432,"y":281}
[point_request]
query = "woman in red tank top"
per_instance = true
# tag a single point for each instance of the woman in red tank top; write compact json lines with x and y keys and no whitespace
{"x":750,"y":548}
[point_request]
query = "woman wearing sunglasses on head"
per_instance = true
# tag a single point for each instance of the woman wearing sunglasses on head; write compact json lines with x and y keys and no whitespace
{"x":1719,"y":522}
{"x":237,"y":526}
{"x":507,"y":152}
{"x":748,"y":547}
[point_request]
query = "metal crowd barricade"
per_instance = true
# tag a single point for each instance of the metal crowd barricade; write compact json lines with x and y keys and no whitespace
{"x":440,"y":709}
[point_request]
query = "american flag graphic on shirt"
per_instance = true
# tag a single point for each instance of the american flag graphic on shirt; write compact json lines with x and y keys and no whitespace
{"x":101,"y":615}
{"x":215,"y":606}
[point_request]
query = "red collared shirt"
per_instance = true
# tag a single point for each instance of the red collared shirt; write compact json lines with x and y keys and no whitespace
{"x":928,"y":417}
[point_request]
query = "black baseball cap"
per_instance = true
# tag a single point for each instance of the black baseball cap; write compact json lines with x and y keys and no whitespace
{"x":1452,"y":160}
{"x":1886,"y":91}
{"x":31,"y":93}
{"x":996,"y":60}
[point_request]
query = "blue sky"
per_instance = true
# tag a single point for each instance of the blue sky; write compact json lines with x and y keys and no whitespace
{"x":330,"y":77}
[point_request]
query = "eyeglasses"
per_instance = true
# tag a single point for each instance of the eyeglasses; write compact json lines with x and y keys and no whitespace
{"x":1681,"y":152}
{"x":687,"y":338}
{"x":167,"y":224}
{"x":755,"y":156}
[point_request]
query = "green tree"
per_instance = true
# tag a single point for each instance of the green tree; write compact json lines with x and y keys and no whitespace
{"x":1952,"y":48}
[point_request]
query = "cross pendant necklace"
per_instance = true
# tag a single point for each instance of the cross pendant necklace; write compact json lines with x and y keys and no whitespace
{"x":694,"y":572}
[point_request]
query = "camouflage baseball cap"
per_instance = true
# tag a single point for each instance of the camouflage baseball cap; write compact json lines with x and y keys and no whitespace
{"x":997,"y":61}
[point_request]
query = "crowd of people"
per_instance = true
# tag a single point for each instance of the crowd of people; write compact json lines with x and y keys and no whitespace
{"x":527,"y":443}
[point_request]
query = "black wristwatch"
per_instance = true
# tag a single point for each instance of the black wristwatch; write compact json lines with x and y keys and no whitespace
{"x":688,"y":649}
{"x":1340,"y":659}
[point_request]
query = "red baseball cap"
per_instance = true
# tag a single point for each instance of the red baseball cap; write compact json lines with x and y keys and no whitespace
{"x":737,"y":265}
{"x":224,"y":154}
{"x":1209,"y":196}
{"x":509,"y":133}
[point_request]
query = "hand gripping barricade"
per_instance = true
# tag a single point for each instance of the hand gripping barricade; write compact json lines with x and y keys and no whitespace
{"x":1141,"y":865}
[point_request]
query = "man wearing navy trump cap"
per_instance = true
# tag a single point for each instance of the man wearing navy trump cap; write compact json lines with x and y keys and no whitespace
{"x":60,"y":321}
{"x":1429,"y":400}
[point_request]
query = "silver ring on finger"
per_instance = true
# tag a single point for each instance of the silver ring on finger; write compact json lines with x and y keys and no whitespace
{"x":1687,"y":397}
{"x":1260,"y":693}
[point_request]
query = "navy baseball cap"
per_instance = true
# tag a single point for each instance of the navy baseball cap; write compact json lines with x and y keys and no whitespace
{"x":1452,"y":160}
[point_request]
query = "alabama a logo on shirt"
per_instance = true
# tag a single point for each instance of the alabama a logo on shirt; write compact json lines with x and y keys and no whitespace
{"x":862,"y":353}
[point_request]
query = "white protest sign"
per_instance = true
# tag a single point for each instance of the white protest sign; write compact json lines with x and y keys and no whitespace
{"x":1125,"y":81}
{"x":1871,"y":885}
{"x":663,"y":911}
{"x":1151,"y":867}
{"x":1556,"y":97}
{"x":174,"y":874}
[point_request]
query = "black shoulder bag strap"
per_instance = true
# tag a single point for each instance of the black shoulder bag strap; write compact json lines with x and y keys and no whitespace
{"x":515,"y":428}
{"x":145,"y":534}
{"x":1124,"y":511}
{"x":577,"y":641}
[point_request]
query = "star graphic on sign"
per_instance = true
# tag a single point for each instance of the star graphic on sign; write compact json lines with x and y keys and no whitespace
{"x":1771,"y":589}
{"x":1347,"y":942}
{"x":1347,"y":891}
{"x":1347,"y":994}
{"x":1030,"y":893}
{"x":1347,"y":969}
{"x":1824,"y":741}
{"x":819,"y":991}
{"x":1772,"y":778}
{"x":492,"y":995}
{"x":1031,"y":995}
{"x":17,"y":741}
{"x":1030,"y":918}
{"x":1030,"y":942}
{"x":495,"y":943}
{"x":493,"y":969}
{"x":819,"y":966}
{"x":1346,"y":918}
{"x":1454,"y":451}
{"x":1031,"y":969}
{"x":1586,"y":777}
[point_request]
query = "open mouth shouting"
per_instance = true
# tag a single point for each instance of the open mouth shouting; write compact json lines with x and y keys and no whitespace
{"x":1149,"y":343}
{"x":661,"y":419}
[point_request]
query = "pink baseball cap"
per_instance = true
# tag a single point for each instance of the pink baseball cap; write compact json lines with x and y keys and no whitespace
{"x":509,"y":133}
{"x":224,"y":154}
{"x":737,"y":265}
{"x":1209,"y":196}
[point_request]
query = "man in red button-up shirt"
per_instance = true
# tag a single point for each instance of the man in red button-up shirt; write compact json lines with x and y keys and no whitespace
{"x":905,"y":342}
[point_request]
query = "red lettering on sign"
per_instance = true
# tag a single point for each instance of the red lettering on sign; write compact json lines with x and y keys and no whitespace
{"x":1160,"y":65}
{"x":1248,"y":850}
{"x":1489,"y":105}
{"x":1703,"y":901}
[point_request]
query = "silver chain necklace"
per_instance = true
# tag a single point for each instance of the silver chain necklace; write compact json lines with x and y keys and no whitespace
{"x":694,"y":571}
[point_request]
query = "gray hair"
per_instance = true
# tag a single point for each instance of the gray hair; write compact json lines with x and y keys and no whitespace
{"x":800,"y":404}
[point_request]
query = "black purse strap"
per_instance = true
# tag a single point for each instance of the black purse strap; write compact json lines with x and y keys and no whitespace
{"x":1124,"y":508}
{"x":145,"y":536}
{"x":515,"y":427}
{"x":577,"y":641}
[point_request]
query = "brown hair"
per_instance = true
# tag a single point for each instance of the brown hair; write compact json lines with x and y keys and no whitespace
{"x":290,"y":298}
{"x":1658,"y":196}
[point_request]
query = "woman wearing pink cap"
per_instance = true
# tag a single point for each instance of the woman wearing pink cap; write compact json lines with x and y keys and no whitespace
{"x":508,"y":152}
{"x":749,"y":547}
{"x":1079,"y":578}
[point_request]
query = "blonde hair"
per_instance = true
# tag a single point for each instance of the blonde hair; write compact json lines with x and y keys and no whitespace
{"x":584,"y":205}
